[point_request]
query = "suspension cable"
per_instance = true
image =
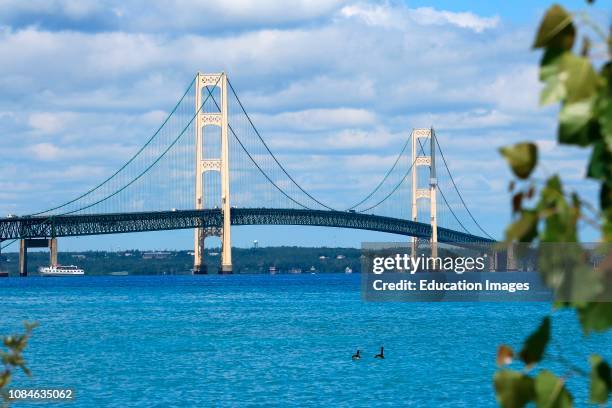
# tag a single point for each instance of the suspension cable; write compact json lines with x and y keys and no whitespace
{"x":272,"y":154}
{"x":383,"y":179}
{"x":444,"y":197}
{"x":392,"y":191}
{"x":398,"y":184}
{"x":133,"y":180}
{"x":126,"y":163}
{"x":263,"y":172}
{"x":253,"y":159}
{"x":451,"y":210}
{"x":142,"y":173}
{"x":459,"y":193}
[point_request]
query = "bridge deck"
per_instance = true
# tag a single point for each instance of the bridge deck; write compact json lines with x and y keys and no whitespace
{"x":96,"y":224}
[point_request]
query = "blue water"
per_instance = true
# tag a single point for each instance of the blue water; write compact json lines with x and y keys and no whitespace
{"x":267,"y":340}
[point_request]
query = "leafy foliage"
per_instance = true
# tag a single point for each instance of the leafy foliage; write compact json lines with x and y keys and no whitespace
{"x":601,"y":380}
{"x":12,"y":358}
{"x":533,"y":349}
{"x":551,"y":392}
{"x":513,"y":389}
{"x":585,"y":120}
{"x":522,"y":158}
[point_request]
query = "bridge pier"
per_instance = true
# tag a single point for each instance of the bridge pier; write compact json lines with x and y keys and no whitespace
{"x":199,"y":263}
{"x":511,"y":264}
{"x":418,"y":192}
{"x":23,"y":258}
{"x":215,"y":163}
{"x":3,"y":273}
{"x":26,"y":243}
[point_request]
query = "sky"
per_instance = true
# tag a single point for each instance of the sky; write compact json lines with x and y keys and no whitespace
{"x":84,"y":83}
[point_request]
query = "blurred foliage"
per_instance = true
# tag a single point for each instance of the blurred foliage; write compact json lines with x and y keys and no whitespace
{"x":12,"y":359}
{"x":581,"y":82}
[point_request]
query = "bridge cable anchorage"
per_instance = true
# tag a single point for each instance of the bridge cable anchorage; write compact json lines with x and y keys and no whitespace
{"x":254,"y":162}
{"x":444,"y":198}
{"x":136,"y":178}
{"x":383,"y":179}
{"x":459,"y":193}
{"x":270,"y":152}
{"x":148,"y":142}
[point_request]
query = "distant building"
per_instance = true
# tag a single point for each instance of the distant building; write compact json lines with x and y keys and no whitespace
{"x":255,"y":244}
{"x":340,"y":257}
{"x":155,"y":255}
{"x":322,"y":257}
{"x":79,"y":256}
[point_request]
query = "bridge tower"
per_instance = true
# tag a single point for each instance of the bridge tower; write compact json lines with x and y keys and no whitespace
{"x":204,"y":83}
{"x":418,"y":192}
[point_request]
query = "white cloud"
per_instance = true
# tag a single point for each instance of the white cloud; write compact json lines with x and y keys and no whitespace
{"x":334,"y":87}
{"x":103,"y":152}
{"x":386,"y":16}
{"x":45,"y":151}
{"x":48,"y":122}
{"x":317,"y":119}
{"x":428,"y":15}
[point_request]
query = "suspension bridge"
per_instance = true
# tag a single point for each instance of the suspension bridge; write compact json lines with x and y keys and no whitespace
{"x":208,"y":167}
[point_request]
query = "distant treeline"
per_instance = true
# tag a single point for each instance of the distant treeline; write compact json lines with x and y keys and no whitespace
{"x":251,"y":260}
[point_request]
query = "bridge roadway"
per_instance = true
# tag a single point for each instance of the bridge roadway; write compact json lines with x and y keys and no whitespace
{"x":115,"y":223}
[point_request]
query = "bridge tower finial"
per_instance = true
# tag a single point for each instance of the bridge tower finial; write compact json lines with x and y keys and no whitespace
{"x":426,"y":160}
{"x":220,"y":164}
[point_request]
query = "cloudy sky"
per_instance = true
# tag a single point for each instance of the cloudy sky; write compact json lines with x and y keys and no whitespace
{"x":338,"y":84}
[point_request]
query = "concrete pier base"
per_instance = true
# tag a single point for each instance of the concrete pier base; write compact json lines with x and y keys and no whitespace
{"x":26,"y":243}
{"x":200,"y":269}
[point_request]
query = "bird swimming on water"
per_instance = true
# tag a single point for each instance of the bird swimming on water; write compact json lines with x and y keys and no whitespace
{"x":381,"y":355}
{"x":356,"y":356}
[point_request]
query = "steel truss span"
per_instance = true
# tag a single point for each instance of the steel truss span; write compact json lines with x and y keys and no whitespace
{"x":96,"y":224}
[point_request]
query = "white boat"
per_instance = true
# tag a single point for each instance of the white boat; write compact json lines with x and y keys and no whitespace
{"x":61,"y":270}
{"x":348,"y":270}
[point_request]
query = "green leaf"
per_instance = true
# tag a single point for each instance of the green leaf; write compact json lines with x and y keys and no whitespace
{"x":522,"y":158}
{"x":556,"y":30}
{"x":601,"y":380}
{"x":604,"y":106}
{"x":534,"y":346}
{"x":550,"y":70}
{"x":563,"y":269}
{"x":525,"y":229}
{"x":551,"y":392}
{"x":513,"y":389}
{"x":595,"y":316}
{"x":581,"y":80}
{"x":605,"y":121}
{"x":576,"y":124}
{"x":600,"y":165}
{"x":605,"y":202}
{"x":560,"y":218}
